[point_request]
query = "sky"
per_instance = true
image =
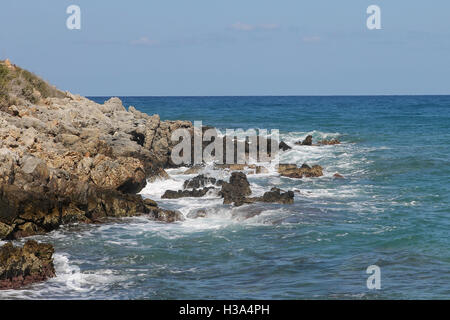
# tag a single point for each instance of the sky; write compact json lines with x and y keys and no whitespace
{"x":231,"y":47}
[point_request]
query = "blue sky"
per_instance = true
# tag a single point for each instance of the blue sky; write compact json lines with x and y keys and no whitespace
{"x":230,"y":47}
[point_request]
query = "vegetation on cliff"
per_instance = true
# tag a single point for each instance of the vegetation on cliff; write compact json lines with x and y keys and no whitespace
{"x":19,"y":86}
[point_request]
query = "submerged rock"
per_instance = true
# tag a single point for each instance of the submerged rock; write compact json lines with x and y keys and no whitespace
{"x":196,"y":193}
{"x":23,"y":266}
{"x":292,"y":171}
{"x":200,"y":213}
{"x":168,"y":216}
{"x":329,"y":142}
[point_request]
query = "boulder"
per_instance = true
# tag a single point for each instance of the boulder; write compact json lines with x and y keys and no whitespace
{"x":236,"y":190}
{"x":306,"y":142}
{"x":276,"y":196}
{"x":284,"y":146}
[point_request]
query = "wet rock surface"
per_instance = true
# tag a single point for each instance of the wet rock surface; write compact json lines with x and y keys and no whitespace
{"x":23,"y":266}
{"x":293,"y":171}
{"x":195,"y":193}
{"x":308,"y":141}
{"x":201,"y":181}
{"x":236,"y":190}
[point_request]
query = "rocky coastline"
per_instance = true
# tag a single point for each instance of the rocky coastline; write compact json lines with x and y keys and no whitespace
{"x":66,"y":159}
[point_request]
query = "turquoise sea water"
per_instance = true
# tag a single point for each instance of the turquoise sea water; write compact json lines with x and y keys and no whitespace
{"x":392,"y":210}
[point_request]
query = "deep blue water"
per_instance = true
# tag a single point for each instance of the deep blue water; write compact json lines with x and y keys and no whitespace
{"x":391,"y":210}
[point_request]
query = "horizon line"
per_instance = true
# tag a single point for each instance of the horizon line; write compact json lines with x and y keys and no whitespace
{"x":269,"y":95}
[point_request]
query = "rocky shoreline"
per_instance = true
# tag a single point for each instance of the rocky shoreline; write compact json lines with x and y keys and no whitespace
{"x":66,"y":159}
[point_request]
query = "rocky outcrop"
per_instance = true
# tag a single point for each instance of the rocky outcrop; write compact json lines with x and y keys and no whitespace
{"x":329,"y":142}
{"x":201,"y":181}
{"x":195,"y":193}
{"x":23,"y":266}
{"x":65,"y":158}
{"x":284,"y":146}
{"x":200,"y":186}
{"x":236,"y":190}
{"x":306,"y":142}
{"x":292,"y":171}
{"x":275,"y":195}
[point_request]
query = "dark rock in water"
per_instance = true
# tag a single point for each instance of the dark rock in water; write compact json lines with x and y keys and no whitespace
{"x":201,"y":181}
{"x":276,"y":196}
{"x":168,"y":216}
{"x":292,"y":171}
{"x":236,"y":190}
{"x":284,"y":146}
{"x":197,"y":193}
{"x":307,"y":141}
{"x":27,"y":265}
{"x":338,"y":176}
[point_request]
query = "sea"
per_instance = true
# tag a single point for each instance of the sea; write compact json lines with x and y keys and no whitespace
{"x":391,"y":211}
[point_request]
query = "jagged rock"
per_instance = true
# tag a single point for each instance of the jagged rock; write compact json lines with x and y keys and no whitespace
{"x":306,"y":142}
{"x":196,"y":193}
{"x":23,"y":266}
{"x":338,"y":176}
{"x":65,"y":158}
{"x":236,"y":190}
{"x":284,"y":146}
{"x":292,"y":171}
{"x":276,"y":196}
{"x":201,"y":181}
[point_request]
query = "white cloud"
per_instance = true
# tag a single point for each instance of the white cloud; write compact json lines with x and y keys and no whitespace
{"x":242,"y":26}
{"x":144,"y":41}
{"x":251,"y":27}
{"x":311,"y":39}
